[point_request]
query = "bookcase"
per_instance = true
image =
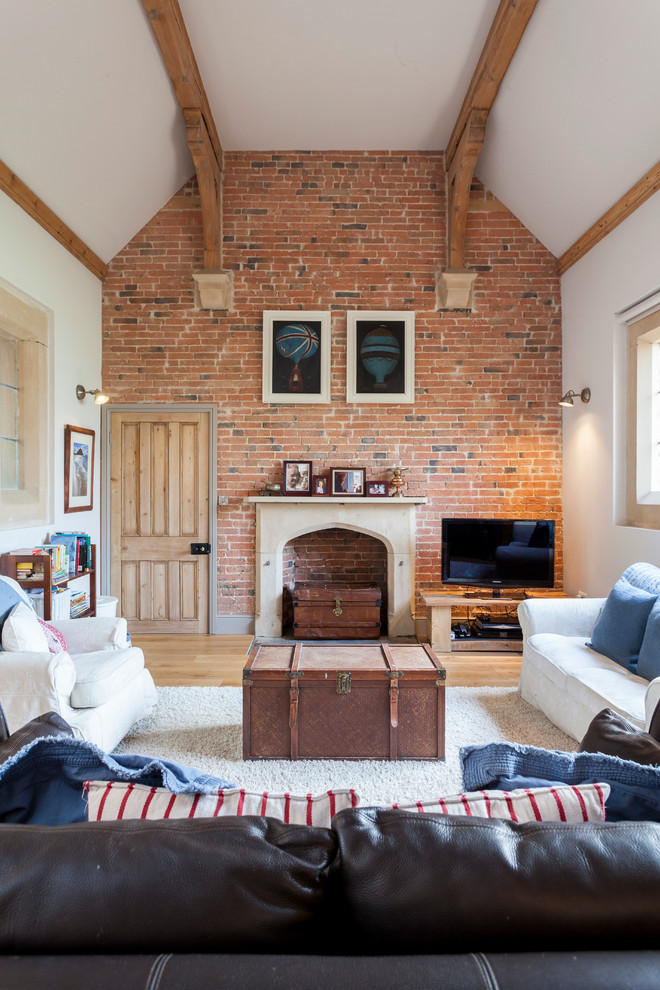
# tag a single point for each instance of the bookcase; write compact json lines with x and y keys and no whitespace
{"x":42,"y":578}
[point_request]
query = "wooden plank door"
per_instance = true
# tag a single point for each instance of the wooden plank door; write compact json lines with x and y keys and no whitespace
{"x":159,"y":506}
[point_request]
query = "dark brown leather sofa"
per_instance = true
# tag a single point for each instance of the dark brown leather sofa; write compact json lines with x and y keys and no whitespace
{"x":384,"y":899}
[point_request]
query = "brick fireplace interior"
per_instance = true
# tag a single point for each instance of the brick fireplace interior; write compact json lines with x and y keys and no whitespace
{"x":340,"y":556}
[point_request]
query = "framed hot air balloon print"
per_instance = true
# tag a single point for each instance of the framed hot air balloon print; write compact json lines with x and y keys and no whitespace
{"x":380,"y":356}
{"x":296,"y":356}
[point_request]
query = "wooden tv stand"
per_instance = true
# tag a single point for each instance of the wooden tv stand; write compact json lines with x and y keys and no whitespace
{"x":438,"y":623}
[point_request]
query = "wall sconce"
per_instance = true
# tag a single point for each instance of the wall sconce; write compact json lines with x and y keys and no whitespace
{"x":567,"y":400}
{"x":99,"y":397}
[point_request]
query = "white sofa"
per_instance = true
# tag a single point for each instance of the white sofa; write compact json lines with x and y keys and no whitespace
{"x":100,"y":686}
{"x":569,"y":681}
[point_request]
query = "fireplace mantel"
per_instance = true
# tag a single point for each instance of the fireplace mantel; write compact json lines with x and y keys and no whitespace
{"x":281,"y":518}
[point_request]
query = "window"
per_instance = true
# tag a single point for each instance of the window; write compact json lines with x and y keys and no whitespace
{"x":643,"y":415}
{"x":24,"y":406}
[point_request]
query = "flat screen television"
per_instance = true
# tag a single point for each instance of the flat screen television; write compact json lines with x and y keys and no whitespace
{"x":498,"y":553}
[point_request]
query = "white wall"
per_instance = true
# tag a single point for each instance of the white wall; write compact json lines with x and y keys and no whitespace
{"x":39,"y":266}
{"x":621,"y":269}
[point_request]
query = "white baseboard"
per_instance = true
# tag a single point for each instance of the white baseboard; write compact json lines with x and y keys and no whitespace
{"x":234,"y":625}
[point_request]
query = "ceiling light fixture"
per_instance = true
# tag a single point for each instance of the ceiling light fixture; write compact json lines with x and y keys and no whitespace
{"x":99,"y":397}
{"x":567,"y":400}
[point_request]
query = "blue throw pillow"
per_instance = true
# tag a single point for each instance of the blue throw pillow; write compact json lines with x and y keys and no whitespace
{"x":10,"y":596}
{"x":620,"y":628}
{"x":649,"y":654}
{"x":634,"y":789}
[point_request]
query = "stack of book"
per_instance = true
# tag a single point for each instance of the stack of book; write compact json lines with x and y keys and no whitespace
{"x":60,"y":559}
{"x":78,"y":547}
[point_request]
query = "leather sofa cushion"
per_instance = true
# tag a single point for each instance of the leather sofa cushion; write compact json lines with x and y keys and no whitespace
{"x":613,"y":734}
{"x":100,"y":675}
{"x":427,"y":883}
{"x":201,"y":885}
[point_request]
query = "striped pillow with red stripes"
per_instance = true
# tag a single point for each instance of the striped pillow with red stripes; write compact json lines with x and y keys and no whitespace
{"x":561,"y":803}
{"x":114,"y":799}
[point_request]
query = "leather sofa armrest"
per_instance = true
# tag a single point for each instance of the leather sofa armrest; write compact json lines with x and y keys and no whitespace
{"x":88,"y":635}
{"x":566,"y":616}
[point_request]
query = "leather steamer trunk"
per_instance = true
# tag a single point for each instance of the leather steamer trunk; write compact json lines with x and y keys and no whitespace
{"x":363,"y":701}
{"x":332,"y":611}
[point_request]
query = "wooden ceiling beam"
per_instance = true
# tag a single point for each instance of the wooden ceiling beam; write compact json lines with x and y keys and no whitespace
{"x":507,"y":29}
{"x":455,"y":284}
{"x":213,"y":286}
{"x":23,"y":196}
{"x":172,"y":37}
{"x":633,"y":199}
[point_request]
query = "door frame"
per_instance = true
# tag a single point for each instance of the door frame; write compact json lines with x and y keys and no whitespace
{"x":162,"y":407}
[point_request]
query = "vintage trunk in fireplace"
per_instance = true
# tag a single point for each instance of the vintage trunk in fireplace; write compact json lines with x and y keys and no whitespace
{"x":334,"y":611}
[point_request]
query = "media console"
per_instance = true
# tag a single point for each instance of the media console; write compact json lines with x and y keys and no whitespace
{"x":438,"y":623}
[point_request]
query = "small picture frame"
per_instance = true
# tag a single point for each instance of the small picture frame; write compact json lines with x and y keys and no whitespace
{"x":78,"y":469}
{"x":320,"y":484}
{"x":296,"y":356}
{"x":380,"y":356}
{"x":378,"y":489}
{"x":348,"y":482}
{"x":297,"y":478}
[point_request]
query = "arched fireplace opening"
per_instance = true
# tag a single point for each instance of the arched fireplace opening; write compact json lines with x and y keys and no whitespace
{"x":333,"y":556}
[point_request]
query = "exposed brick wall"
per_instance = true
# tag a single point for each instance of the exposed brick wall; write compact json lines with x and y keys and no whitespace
{"x":338,"y":231}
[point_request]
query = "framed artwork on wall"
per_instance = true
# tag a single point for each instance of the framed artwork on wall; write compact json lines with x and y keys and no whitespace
{"x":380,"y":356}
{"x":297,"y":478}
{"x":348,"y":481}
{"x":296,"y":356}
{"x":78,"y":469}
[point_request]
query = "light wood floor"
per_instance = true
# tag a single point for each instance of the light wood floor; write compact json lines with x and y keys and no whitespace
{"x":219,"y":660}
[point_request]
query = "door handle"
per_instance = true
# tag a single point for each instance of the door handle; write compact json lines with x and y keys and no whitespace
{"x":200,"y":548}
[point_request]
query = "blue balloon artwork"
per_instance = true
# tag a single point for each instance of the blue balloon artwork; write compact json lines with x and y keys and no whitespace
{"x":380,"y":353}
{"x":296,"y":342}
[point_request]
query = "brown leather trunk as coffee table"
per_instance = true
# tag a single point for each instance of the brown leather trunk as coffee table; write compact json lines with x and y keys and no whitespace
{"x":344,"y":701}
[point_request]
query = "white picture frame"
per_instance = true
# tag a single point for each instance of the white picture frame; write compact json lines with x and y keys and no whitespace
{"x":289,"y":375}
{"x":387,"y":375}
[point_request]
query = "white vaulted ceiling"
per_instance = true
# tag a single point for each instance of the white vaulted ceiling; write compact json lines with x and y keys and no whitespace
{"x":89,"y":120}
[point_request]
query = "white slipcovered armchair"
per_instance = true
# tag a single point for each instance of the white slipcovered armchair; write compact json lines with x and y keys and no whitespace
{"x":98,"y":684}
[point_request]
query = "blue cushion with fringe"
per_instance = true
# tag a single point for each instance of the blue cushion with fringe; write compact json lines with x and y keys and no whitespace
{"x":634,"y":789}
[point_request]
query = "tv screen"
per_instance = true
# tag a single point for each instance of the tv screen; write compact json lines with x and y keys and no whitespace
{"x":509,"y":553}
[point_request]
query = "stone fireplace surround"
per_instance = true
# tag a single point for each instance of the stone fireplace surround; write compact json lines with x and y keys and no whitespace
{"x":280,"y":519}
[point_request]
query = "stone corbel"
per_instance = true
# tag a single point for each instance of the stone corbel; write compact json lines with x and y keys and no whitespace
{"x":454,"y":288}
{"x":214,"y":290}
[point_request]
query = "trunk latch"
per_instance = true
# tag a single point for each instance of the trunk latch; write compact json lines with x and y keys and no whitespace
{"x":337,"y":609}
{"x":344,"y":682}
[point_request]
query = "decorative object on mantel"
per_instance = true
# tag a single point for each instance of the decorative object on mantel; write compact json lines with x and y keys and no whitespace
{"x":398,"y":482}
{"x":378,"y":489}
{"x":297,"y":478}
{"x":320,"y":484}
{"x":380,"y":356}
{"x":348,"y":481}
{"x":272,"y":488}
{"x":296,"y":356}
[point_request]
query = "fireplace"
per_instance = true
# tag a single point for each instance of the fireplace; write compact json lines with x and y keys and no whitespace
{"x":281,"y":519}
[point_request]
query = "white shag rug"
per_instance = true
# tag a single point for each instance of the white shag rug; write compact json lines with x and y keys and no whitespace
{"x":201,"y":727}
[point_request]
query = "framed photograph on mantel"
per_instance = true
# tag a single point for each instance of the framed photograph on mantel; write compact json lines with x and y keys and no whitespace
{"x":380,"y":356}
{"x":348,"y":481}
{"x":78,"y":469}
{"x":297,"y":478}
{"x":296,"y":356}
